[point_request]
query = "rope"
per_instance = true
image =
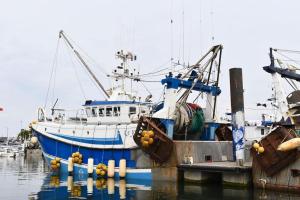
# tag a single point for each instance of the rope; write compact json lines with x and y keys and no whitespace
{"x":171,"y":31}
{"x":76,"y":74}
{"x":112,"y":150}
{"x":104,"y":144}
{"x":102,"y":70}
{"x":145,"y":87}
{"x":154,"y":71}
{"x":295,"y":61}
{"x":54,"y":62}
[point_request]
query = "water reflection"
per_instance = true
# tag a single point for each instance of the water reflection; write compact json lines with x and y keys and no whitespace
{"x":55,"y":187}
{"x":30,"y":179}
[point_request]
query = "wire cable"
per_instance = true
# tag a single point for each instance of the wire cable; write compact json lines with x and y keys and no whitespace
{"x":54,"y":62}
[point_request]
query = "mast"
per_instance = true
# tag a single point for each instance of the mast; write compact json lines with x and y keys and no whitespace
{"x":62,"y":35}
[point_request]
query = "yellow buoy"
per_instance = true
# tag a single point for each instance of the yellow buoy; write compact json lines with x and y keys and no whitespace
{"x":143,"y":133}
{"x":100,"y":183}
{"x":151,"y":133}
{"x":102,"y":173}
{"x":145,"y":144}
{"x":255,"y":145}
{"x":98,"y":171}
{"x":150,"y":141}
{"x":101,"y":169}
{"x":261,"y":150}
{"x":53,"y":162}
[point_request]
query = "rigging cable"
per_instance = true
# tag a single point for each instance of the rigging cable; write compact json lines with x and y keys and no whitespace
{"x":54,"y":79}
{"x":183,"y":32}
{"x":212,"y":21}
{"x":89,"y":75}
{"x":76,"y":74}
{"x":54,"y":62}
{"x":146,"y":88}
{"x":295,"y":61}
{"x":172,"y":35}
{"x":154,"y":71}
{"x":102,"y":70}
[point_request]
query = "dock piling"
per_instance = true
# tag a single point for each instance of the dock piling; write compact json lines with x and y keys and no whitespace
{"x":237,"y":111}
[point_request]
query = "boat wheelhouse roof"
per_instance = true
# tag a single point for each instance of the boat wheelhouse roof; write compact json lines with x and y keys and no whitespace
{"x":95,"y":103}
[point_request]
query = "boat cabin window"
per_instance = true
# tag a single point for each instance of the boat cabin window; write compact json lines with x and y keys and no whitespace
{"x":101,"y":112}
{"x":108,"y":111}
{"x":132,"y":110}
{"x":94,"y":111}
{"x":88,"y":112}
{"x":116,"y":111}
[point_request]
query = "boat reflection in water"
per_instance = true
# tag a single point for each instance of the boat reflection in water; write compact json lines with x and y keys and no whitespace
{"x":62,"y":187}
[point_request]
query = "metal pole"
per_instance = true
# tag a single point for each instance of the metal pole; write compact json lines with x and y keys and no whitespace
{"x":237,"y":111}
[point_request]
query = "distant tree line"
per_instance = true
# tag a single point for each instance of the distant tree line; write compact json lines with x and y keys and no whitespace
{"x":24,"y":134}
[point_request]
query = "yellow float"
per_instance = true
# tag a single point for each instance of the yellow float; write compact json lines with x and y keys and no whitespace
{"x":147,"y":138}
{"x":55,"y":163}
{"x":101,"y":169}
{"x":54,"y":181}
{"x":255,"y":145}
{"x":261,"y":149}
{"x":100,"y":183}
{"x":77,"y":157}
{"x":76,"y":191}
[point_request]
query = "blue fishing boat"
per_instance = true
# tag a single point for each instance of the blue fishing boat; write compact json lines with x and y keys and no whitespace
{"x":125,"y":136}
{"x":102,"y":130}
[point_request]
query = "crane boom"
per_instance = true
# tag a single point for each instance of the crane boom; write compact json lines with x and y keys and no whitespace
{"x":62,"y":35}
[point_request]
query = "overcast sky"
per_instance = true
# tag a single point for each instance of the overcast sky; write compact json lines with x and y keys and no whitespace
{"x":29,"y":33}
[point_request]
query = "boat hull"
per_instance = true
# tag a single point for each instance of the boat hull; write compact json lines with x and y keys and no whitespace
{"x":52,"y":148}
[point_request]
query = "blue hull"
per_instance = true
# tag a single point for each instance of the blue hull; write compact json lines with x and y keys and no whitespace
{"x":53,"y":148}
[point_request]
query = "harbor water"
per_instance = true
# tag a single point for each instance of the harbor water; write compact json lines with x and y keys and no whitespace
{"x":30,"y":178}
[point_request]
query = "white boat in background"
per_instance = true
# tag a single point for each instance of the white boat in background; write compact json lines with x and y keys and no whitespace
{"x":7,"y":151}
